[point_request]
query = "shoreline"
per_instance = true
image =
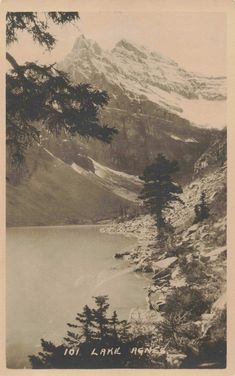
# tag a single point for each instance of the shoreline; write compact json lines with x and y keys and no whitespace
{"x":59,"y":226}
{"x":142,"y":229}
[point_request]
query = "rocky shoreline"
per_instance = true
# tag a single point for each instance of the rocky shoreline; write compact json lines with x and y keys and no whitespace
{"x":203,"y":237}
{"x":191,"y":261}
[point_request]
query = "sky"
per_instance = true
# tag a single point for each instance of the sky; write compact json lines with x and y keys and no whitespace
{"x":197,"y":41}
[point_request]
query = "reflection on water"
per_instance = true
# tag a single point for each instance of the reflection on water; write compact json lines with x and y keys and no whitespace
{"x":52,"y":272}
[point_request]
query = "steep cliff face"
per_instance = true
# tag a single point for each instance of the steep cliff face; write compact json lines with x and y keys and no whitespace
{"x":215,"y":156}
{"x":212,"y":180}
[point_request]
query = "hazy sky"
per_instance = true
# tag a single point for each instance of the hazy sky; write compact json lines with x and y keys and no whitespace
{"x":197,"y":41}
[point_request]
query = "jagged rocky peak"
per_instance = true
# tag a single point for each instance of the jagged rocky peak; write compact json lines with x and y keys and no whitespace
{"x":124,"y":43}
{"x":143,"y":52}
{"x":129,"y":47}
{"x":137,"y":72}
{"x":82,"y":43}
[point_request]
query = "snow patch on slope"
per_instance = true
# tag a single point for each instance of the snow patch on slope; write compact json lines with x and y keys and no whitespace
{"x":80,"y":169}
{"x":201,"y":112}
{"x":102,"y":171}
{"x":122,"y":184}
{"x":176,"y":138}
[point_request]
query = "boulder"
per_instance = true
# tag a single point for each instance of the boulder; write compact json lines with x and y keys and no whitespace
{"x":121,"y":254}
{"x":192,"y":229}
{"x":220,"y":303}
{"x":216,"y":252}
{"x":163,"y":264}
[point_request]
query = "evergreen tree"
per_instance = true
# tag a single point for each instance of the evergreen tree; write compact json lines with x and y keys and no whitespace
{"x":85,"y":328}
{"x":100,"y":317}
{"x":124,"y":331}
{"x":95,"y":330}
{"x":42,"y":96}
{"x":119,"y":329}
{"x":159,"y":189}
{"x":114,"y":322}
{"x":201,"y":209}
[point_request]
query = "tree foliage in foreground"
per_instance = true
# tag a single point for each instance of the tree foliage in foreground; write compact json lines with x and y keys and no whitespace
{"x":160,"y":191}
{"x":38,"y":28}
{"x":94,"y":330}
{"x":42,"y":94}
{"x":179,"y":333}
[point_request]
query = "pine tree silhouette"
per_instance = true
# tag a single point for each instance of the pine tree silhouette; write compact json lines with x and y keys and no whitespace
{"x":95,"y":331}
{"x":201,"y":210}
{"x":159,"y":189}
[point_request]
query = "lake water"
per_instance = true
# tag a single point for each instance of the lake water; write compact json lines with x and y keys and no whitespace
{"x":52,"y":272}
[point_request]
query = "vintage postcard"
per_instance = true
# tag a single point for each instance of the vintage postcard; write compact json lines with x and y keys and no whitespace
{"x":115,"y":160}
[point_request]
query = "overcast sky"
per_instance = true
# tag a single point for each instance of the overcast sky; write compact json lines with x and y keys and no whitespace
{"x":197,"y":41}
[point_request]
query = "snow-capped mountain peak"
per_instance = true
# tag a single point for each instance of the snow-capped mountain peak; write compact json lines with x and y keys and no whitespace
{"x":124,"y":46}
{"x":83,"y":44}
{"x":139,"y":73}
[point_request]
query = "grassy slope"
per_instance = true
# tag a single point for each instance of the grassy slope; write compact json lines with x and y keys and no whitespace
{"x":57,"y":195}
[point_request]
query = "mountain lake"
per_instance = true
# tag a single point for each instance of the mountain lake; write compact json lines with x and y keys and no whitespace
{"x":52,"y":272}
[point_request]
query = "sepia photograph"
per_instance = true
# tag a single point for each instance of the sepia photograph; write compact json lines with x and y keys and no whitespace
{"x":116,"y":183}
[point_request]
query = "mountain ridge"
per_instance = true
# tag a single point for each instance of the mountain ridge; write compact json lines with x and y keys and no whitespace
{"x":146,"y":126}
{"x":146,"y":73}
